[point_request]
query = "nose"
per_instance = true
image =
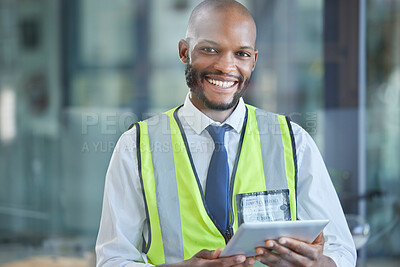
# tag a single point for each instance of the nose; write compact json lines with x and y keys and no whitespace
{"x":225,"y":63}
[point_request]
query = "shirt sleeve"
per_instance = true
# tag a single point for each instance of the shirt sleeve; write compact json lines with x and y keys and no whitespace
{"x":123,"y":217}
{"x":317,"y":199}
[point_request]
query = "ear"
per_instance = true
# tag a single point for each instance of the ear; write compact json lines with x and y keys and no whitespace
{"x":255,"y":59}
{"x":183,"y":48}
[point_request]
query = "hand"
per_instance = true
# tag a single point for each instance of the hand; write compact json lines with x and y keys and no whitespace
{"x":210,"y":258}
{"x":292,"y":252}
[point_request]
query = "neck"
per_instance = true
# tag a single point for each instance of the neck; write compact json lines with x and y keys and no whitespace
{"x":215,"y":115}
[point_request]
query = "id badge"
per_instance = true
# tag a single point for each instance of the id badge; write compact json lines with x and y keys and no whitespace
{"x":266,"y":206}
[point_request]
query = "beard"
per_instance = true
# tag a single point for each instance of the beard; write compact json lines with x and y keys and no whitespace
{"x":193,"y":81}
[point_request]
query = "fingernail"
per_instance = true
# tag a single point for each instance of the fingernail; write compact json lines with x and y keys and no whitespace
{"x":251,"y":261}
{"x":269,"y":244}
{"x":260,"y":251}
{"x":240,"y":258}
{"x":282,"y":241}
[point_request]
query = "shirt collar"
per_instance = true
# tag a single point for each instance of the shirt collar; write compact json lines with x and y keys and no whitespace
{"x":198,"y":121}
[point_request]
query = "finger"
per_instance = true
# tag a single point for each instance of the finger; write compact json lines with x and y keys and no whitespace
{"x":287,"y":254}
{"x":311,"y":251}
{"x":270,"y":258}
{"x":244,"y":264}
{"x":247,"y":263}
{"x":250,"y":261}
{"x":211,"y":258}
{"x":236,"y":260}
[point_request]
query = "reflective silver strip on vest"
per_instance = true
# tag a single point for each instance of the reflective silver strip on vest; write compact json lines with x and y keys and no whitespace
{"x":166,"y":187}
{"x":272,"y":150}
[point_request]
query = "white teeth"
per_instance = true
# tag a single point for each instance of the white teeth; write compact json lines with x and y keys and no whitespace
{"x":221,"y":83}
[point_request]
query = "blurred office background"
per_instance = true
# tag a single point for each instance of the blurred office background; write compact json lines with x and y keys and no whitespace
{"x":74,"y":74}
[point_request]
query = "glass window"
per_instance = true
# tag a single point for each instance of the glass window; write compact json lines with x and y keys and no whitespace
{"x":383,"y":127}
{"x":74,"y":74}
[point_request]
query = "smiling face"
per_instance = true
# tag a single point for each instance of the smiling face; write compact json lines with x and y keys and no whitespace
{"x":220,"y":56}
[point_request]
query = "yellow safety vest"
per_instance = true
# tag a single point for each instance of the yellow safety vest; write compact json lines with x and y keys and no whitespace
{"x":179,"y":224}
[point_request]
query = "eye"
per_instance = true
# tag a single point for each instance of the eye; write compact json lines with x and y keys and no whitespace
{"x":209,"y":49}
{"x":243,"y":54}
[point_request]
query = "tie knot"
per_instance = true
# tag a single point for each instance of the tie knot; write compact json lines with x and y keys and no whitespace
{"x":218,"y":133}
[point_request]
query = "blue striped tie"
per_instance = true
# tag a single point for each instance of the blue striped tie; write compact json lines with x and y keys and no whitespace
{"x":217,"y":185}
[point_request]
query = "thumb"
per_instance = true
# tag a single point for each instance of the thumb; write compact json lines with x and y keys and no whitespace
{"x":319,"y":240}
{"x":208,"y":254}
{"x":217,"y":252}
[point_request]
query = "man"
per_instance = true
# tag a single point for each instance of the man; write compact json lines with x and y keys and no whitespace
{"x":173,"y":180}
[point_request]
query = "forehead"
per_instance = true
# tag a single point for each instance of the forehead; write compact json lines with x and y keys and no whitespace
{"x":224,"y":27}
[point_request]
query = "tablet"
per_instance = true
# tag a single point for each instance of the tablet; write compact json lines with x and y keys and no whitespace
{"x":252,"y":235}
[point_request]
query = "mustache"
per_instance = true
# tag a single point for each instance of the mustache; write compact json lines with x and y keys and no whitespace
{"x":203,"y":74}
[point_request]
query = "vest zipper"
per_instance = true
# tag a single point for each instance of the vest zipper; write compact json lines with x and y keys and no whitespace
{"x":228,"y":234}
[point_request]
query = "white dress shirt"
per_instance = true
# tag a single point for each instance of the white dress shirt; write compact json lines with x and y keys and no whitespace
{"x":123,"y":218}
